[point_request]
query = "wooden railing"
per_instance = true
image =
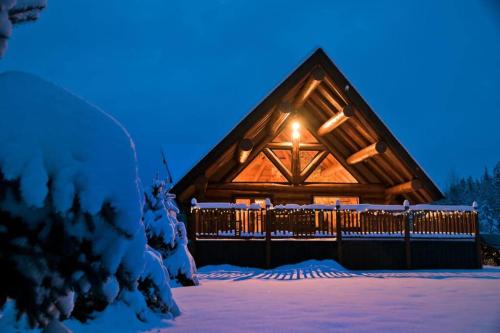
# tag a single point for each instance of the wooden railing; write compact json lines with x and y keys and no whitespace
{"x":226,"y":220}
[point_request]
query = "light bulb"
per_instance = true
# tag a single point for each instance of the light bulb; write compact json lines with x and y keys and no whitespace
{"x":295,"y":125}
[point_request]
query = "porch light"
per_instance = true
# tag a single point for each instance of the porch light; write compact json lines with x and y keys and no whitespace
{"x":295,"y":130}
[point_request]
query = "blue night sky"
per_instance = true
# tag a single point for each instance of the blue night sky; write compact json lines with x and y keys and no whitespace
{"x":181,"y":74}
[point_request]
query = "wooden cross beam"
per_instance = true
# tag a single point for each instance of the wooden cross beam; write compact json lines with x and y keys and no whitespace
{"x":278,"y":164}
{"x":289,"y":145}
{"x":315,"y":162}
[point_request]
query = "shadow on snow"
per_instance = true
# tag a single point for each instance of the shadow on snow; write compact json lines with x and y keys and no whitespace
{"x":329,"y":269}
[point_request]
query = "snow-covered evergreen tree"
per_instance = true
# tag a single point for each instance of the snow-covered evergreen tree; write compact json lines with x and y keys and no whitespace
{"x":14,"y":12}
{"x":495,"y":197}
{"x":486,"y":191}
{"x":166,"y":234}
{"x":71,"y":236}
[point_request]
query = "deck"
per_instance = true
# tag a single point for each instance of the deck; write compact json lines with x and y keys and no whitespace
{"x":358,"y":236}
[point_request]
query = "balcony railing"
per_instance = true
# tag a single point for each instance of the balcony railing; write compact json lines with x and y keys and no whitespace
{"x":211,"y":220}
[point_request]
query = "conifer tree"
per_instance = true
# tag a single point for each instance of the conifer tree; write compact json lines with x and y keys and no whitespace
{"x":165,"y":233}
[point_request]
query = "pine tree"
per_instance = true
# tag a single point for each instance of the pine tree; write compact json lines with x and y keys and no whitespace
{"x":486,"y":191}
{"x":486,"y":213}
{"x":166,"y":234}
{"x":495,"y":195}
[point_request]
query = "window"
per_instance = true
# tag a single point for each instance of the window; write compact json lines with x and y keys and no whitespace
{"x":320,"y":200}
{"x":260,"y":170}
{"x":330,"y":171}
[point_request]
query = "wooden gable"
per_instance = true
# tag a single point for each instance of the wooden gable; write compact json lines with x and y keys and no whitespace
{"x":342,"y":148}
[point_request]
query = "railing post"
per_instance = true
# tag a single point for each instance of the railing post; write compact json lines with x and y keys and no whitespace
{"x":338,"y":221}
{"x":406,"y":220}
{"x":475,"y":217}
{"x":193,"y":222}
{"x":267,"y":216}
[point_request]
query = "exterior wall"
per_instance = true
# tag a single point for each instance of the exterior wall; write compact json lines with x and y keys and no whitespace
{"x":356,"y":254}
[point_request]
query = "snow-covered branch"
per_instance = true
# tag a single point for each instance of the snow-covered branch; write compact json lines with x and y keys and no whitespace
{"x":14,"y":12}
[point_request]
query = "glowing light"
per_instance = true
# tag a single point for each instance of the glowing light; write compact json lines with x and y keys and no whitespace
{"x":295,"y":130}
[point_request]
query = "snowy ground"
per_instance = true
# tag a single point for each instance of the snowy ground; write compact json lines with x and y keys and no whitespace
{"x":321,"y":296}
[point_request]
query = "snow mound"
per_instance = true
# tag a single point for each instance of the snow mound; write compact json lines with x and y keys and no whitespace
{"x":84,"y":151}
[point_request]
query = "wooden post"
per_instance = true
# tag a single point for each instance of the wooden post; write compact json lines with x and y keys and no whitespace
{"x":193,"y":221}
{"x":479,"y":252}
{"x":268,"y":214}
{"x":406,"y":219}
{"x":295,"y":159}
{"x":338,"y":222}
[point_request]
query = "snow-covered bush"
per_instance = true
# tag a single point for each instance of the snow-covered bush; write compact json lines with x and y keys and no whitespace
{"x":71,"y":236}
{"x":166,"y":234}
{"x":14,"y":12}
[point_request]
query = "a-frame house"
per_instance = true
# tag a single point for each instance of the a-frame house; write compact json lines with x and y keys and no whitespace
{"x":312,"y":140}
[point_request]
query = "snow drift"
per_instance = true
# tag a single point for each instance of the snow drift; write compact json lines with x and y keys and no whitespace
{"x":71,"y":236}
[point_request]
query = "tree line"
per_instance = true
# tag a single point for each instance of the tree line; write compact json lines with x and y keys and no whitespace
{"x":485,"y":190}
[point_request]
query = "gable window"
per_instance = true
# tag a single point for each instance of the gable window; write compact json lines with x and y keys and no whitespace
{"x":294,"y":156}
{"x":324,"y":200}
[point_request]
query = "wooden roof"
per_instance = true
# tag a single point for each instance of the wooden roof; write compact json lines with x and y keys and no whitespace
{"x":340,"y":119}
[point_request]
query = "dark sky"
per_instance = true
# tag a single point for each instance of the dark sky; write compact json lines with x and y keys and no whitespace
{"x":181,"y":74}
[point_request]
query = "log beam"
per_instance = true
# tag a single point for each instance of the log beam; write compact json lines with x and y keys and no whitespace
{"x":367,"y":152}
{"x":289,"y":145}
{"x":314,"y":80}
{"x":408,"y":187}
{"x":285,"y":107}
{"x":295,"y":160}
{"x":316,"y":161}
{"x":317,"y":189}
{"x":244,"y":149}
{"x":277,"y":163}
{"x":335,"y":121}
{"x":281,"y":113}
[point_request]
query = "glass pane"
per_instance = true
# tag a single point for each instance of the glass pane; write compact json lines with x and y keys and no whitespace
{"x":306,"y":157}
{"x":285,"y":156}
{"x":330,"y":171}
{"x":306,"y":136}
{"x":333,"y":200}
{"x":245,"y":201}
{"x":260,"y":169}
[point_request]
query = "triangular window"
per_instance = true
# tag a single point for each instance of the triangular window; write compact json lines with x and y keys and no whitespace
{"x":330,"y":171}
{"x":306,"y":156}
{"x":260,"y":170}
{"x":285,"y":157}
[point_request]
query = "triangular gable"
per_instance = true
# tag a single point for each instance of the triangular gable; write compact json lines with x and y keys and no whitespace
{"x":318,"y":102}
{"x":316,"y":164}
